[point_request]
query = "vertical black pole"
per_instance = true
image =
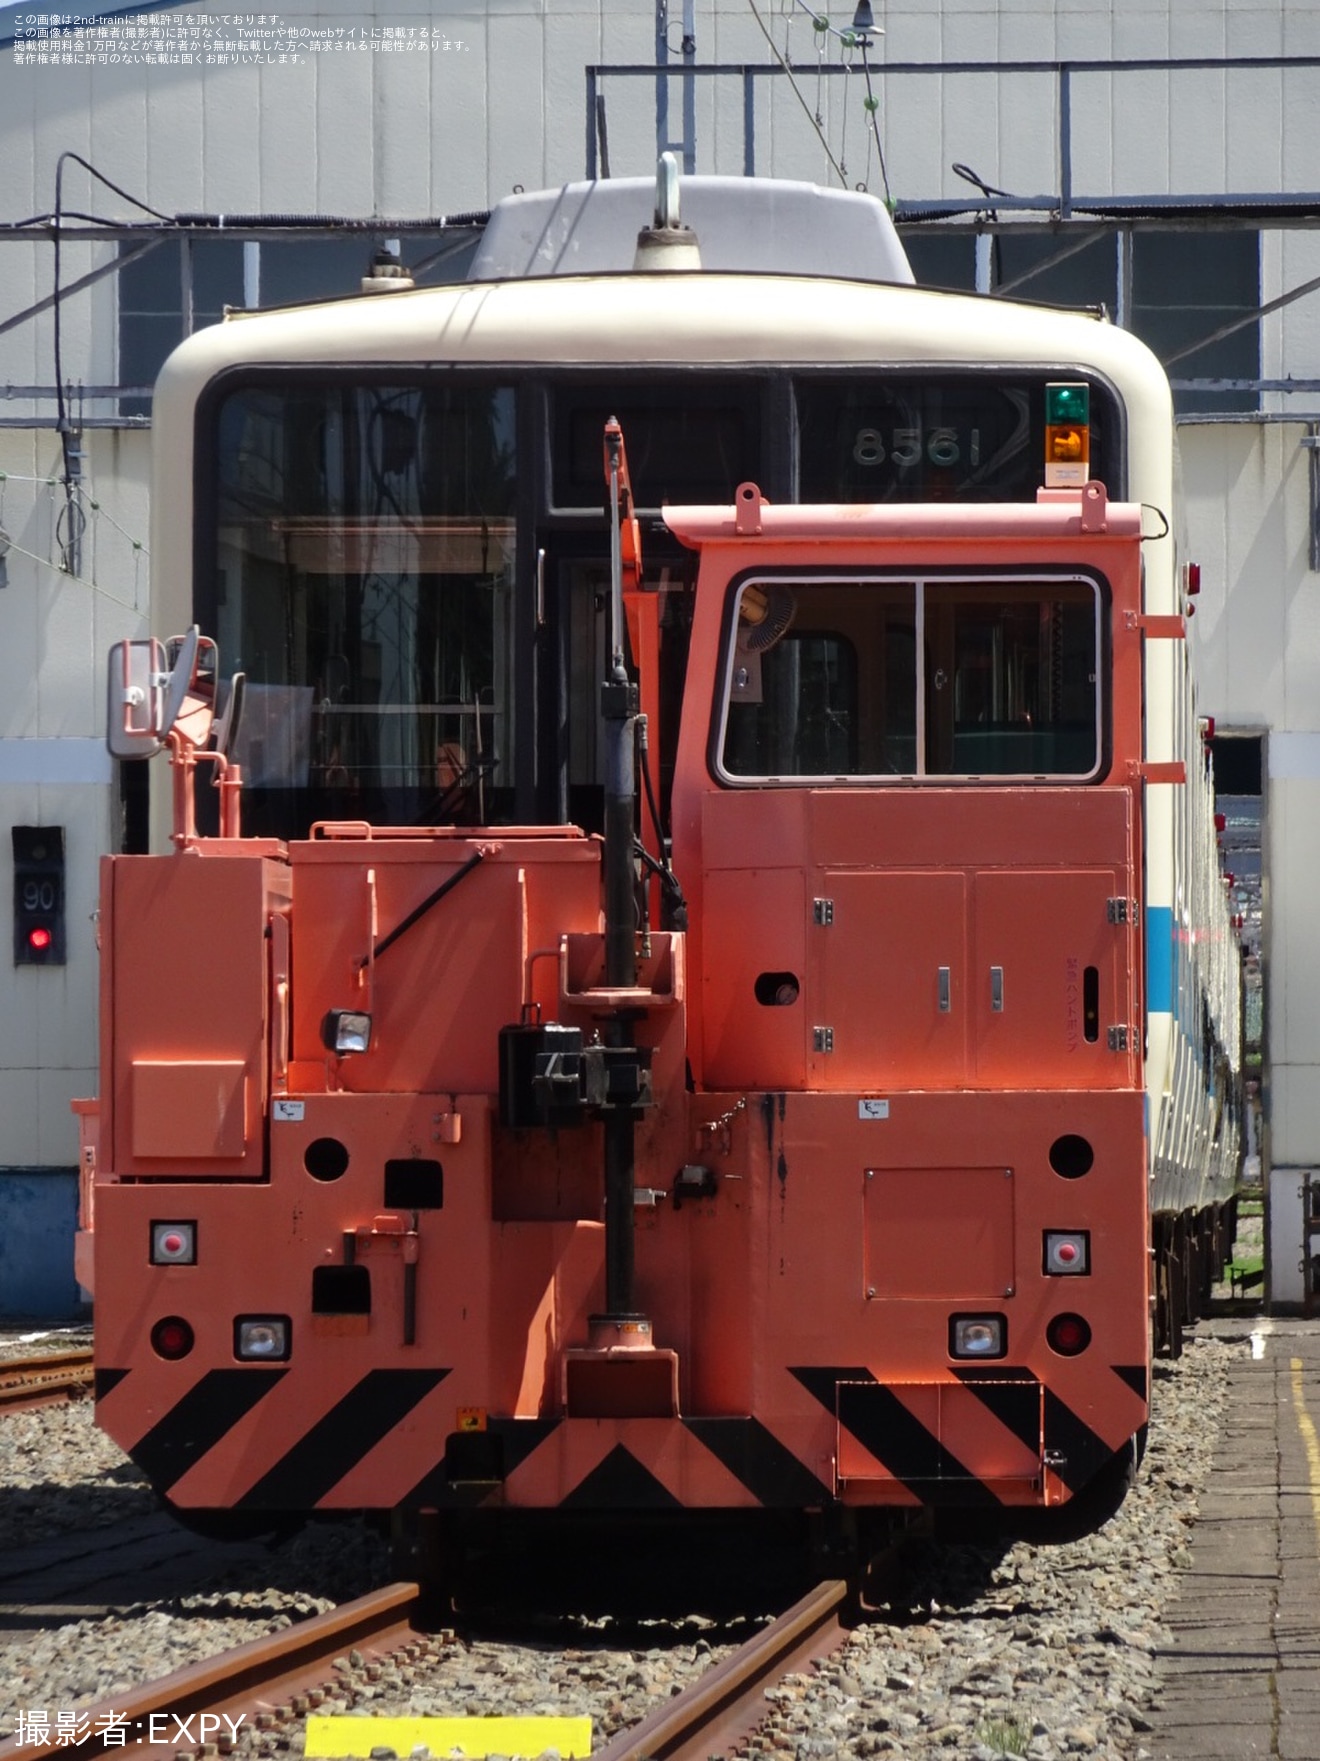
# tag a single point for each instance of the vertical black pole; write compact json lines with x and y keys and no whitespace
{"x":619,"y":714}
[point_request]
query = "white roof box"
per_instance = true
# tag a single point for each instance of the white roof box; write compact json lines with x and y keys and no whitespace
{"x":742,"y":224}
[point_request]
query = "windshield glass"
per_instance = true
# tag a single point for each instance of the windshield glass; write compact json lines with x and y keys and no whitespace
{"x":846,"y":679}
{"x":365,"y":547}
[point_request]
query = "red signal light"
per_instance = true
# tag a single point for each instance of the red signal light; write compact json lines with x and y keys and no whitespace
{"x":172,"y":1338}
{"x":39,"y":939}
{"x":1068,"y":1335}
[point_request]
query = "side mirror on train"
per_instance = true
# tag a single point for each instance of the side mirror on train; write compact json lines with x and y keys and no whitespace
{"x":152,"y":689}
{"x":135,"y":698}
{"x":229,"y":719}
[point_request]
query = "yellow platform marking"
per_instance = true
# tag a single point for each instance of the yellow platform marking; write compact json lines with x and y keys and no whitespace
{"x":332,"y":1738}
{"x":1309,"y":1438}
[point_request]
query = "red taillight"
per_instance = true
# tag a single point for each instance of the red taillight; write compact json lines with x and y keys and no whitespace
{"x":1067,"y":1252}
{"x":1068,"y":1335}
{"x":173,"y":1244}
{"x":172,"y":1338}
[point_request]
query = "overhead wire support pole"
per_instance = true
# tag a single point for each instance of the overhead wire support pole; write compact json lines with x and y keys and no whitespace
{"x":689,"y":89}
{"x":688,"y":50}
{"x":1065,"y":141}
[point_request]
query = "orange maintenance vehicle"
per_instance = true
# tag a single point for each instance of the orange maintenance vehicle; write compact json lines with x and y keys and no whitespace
{"x":769,"y":1114}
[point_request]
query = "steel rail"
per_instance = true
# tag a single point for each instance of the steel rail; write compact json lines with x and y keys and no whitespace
{"x":34,"y":1381}
{"x":259,"y":1677}
{"x":728,"y":1702}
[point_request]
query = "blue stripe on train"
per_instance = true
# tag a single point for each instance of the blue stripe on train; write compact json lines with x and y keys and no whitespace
{"x":1159,"y":959}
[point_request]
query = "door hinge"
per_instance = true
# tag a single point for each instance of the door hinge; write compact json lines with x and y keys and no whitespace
{"x":822,"y":910}
{"x":1122,"y":910}
{"x":822,"y":1039}
{"x":1118,"y":1039}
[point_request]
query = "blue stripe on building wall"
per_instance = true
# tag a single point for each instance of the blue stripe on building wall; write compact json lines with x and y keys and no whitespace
{"x":38,"y":1217}
{"x":1159,"y":959}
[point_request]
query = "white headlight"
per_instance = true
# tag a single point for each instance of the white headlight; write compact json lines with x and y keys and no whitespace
{"x":346,"y":1030}
{"x":977,"y":1336}
{"x":262,"y":1337}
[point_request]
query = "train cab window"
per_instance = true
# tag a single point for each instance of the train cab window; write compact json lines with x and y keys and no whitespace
{"x":364,"y":560}
{"x":794,"y":713}
{"x":822,"y":680}
{"x":1011,"y":678}
{"x":875,"y":680}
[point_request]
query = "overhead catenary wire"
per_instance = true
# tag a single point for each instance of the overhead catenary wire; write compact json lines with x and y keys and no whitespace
{"x":797,"y":92}
{"x":139,"y":550}
{"x":71,"y":523}
{"x":43,"y":562}
{"x":850,"y":39}
{"x":872,"y":104}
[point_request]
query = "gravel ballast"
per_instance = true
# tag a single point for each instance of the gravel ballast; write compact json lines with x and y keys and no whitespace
{"x":1043,"y":1652}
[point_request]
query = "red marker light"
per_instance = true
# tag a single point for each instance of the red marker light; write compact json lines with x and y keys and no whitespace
{"x":173,"y":1244}
{"x":1068,"y":1335}
{"x":1066,"y":1251}
{"x":39,"y":939}
{"x":172,"y":1338}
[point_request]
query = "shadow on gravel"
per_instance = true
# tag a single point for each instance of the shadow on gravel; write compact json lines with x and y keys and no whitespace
{"x":98,"y":1550}
{"x":939,"y":1576}
{"x":33,"y":1514}
{"x":615,"y":1581}
{"x":335,"y":1560}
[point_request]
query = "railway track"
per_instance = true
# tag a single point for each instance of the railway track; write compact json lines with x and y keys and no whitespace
{"x":272,"y":1680}
{"x":212,"y":1707}
{"x":726,"y":1704}
{"x":36,"y":1381}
